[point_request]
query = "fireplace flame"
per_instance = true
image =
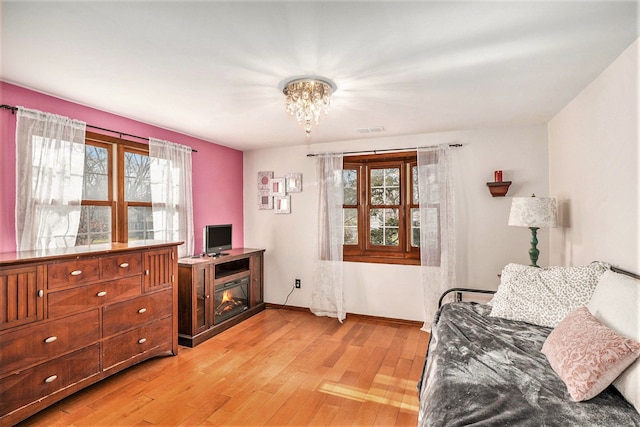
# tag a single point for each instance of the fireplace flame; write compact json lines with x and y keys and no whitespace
{"x":227,"y":302}
{"x":227,"y":297}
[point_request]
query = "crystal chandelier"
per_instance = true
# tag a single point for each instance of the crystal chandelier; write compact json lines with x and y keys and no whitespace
{"x":306,"y":98}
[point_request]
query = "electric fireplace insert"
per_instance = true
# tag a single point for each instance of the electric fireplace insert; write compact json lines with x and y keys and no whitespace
{"x":230,"y":299}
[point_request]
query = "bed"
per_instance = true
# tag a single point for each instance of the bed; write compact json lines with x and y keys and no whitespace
{"x":487,"y":369}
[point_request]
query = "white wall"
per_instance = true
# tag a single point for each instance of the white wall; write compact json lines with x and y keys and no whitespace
{"x":593,"y":170}
{"x":485,"y":241}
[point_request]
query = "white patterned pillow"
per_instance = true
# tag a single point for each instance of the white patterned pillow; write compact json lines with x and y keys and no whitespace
{"x":616,"y":303}
{"x":544,"y":296}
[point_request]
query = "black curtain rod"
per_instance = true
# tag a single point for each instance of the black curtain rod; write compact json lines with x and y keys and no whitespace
{"x":14,"y":109}
{"x":399,"y":150}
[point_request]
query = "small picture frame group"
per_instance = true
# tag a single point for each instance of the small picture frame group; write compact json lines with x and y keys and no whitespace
{"x":273,"y":191}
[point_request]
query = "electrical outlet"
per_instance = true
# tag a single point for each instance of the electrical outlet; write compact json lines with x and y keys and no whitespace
{"x":298,"y":283}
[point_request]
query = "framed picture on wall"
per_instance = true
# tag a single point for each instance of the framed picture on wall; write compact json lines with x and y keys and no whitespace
{"x":282,"y":204}
{"x":265,"y":200}
{"x":263,"y":180}
{"x":294,"y":182}
{"x":277,"y":186}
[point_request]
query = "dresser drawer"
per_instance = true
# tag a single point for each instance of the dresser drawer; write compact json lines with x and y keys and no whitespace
{"x":34,"y":344}
{"x":28,"y":386}
{"x":121,"y":265}
{"x":147,"y":337}
{"x":75,"y":272}
{"x":133,"y":313}
{"x":73,"y":300}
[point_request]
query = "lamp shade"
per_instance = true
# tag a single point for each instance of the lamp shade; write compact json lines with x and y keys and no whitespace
{"x":533,"y":212}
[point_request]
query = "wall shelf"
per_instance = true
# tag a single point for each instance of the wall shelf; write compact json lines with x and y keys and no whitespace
{"x":499,"y":189}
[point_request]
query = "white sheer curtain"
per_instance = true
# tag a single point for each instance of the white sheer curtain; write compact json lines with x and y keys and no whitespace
{"x":49,"y":179}
{"x":437,"y":226}
{"x":327,"y":297}
{"x":171,"y":193}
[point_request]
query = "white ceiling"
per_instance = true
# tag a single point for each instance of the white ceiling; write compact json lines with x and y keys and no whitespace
{"x":212,"y":69}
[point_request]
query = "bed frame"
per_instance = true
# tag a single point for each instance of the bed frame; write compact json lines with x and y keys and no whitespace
{"x":459,"y":291}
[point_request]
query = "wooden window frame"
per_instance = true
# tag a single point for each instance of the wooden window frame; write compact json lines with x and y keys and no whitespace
{"x":364,"y":251}
{"x":117,"y":147}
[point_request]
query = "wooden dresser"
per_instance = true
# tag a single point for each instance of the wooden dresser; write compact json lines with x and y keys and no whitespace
{"x":70,"y":318}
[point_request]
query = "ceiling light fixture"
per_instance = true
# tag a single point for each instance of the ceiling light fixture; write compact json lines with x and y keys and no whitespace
{"x":307,"y":97}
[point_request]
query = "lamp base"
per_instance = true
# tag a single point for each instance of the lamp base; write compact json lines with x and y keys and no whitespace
{"x":534,"y":252}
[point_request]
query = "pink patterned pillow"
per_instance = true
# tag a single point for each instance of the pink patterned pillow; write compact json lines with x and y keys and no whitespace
{"x":587,"y":355}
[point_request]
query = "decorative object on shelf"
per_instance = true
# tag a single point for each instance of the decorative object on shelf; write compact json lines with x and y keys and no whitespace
{"x":282,"y":204}
{"x":533,"y":212}
{"x":294,"y":182}
{"x":497,"y":176}
{"x":277,"y":186}
{"x":307,"y":97}
{"x":263,"y":180}
{"x":499,"y":189}
{"x":265,"y":200}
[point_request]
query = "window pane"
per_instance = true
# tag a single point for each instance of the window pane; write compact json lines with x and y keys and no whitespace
{"x":95,"y":225}
{"x":137,"y":178}
{"x":96,"y":173}
{"x":385,"y":186}
{"x":383,"y":225}
{"x":140,"y":223}
{"x":350,"y":226}
{"x":414,"y":180}
{"x":415,"y":228}
{"x":350,"y":185}
{"x":433,"y":228}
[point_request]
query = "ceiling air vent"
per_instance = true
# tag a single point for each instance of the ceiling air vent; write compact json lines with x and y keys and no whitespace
{"x":371,"y":130}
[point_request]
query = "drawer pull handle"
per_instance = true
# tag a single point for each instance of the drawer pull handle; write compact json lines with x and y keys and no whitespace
{"x":142,"y":340}
{"x":76,"y":272}
{"x":51,"y":379}
{"x":124,"y":265}
{"x":142,"y":310}
{"x":50,"y":339}
{"x":40,"y":293}
{"x":102,"y":293}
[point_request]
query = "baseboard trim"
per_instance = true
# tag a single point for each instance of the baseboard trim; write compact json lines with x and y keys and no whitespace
{"x":386,"y":320}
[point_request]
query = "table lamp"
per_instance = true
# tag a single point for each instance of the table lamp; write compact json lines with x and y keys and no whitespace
{"x":533,"y":212}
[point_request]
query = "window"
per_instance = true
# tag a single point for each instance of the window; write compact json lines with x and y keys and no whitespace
{"x":136,"y":195}
{"x":97,"y":213}
{"x":116,"y":200}
{"x":381,"y":209}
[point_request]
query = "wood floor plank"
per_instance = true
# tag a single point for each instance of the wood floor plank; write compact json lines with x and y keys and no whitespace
{"x":288,"y":408}
{"x":279,"y":367}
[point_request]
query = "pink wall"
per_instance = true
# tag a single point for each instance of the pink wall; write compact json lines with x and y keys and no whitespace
{"x":217,"y":170}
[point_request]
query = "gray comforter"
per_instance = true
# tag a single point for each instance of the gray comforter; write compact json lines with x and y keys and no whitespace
{"x":486,"y":371}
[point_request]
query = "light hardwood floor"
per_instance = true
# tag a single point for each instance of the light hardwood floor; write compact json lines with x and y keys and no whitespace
{"x":280,"y":367}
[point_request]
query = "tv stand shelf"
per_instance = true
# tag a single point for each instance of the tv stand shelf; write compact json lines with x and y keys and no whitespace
{"x":198,"y":279}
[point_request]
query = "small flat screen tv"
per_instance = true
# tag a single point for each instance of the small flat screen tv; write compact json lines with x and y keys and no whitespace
{"x":217,"y":238}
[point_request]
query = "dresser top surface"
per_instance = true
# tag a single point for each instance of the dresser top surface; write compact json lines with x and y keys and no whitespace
{"x":10,"y":258}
